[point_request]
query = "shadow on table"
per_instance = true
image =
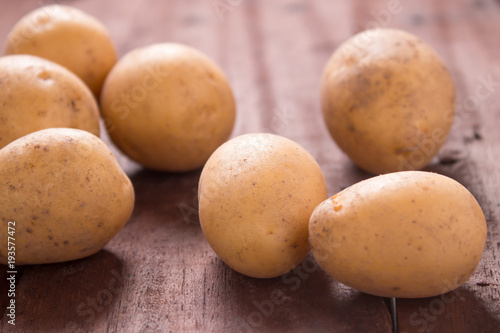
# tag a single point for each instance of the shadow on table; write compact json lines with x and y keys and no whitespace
{"x":166,"y":196}
{"x":456,"y":311}
{"x":71,"y":296}
{"x":303,"y":300}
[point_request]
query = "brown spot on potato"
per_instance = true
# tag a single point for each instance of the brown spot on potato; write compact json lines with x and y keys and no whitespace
{"x":29,"y":230}
{"x":44,"y":75}
{"x":66,"y":242}
{"x":73,"y":106}
{"x":50,"y":237}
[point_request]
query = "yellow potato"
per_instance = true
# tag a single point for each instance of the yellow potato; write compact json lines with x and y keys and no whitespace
{"x":404,"y":234}
{"x":68,"y":37}
{"x":256,"y":194}
{"x":36,"y":93}
{"x":388,"y":100}
{"x":64,"y":193}
{"x":168,"y":107}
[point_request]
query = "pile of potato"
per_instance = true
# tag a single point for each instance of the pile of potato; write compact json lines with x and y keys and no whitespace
{"x":387,"y":100}
{"x":167,"y":106}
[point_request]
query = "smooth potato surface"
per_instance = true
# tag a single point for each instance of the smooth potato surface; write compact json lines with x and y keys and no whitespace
{"x":404,"y":234}
{"x":388,"y":100}
{"x":66,"y":193}
{"x":69,"y":37}
{"x":168,"y":107}
{"x":36,"y":94}
{"x":256,"y":194}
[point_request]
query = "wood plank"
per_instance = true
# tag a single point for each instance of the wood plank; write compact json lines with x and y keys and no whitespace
{"x":159,"y":274}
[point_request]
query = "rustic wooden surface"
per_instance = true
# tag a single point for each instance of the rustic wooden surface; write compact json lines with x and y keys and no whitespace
{"x":159,"y":274}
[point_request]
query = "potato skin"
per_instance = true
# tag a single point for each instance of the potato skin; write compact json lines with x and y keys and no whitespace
{"x":256,"y":194}
{"x":405,"y":234}
{"x":387,"y":100}
{"x":168,"y":107}
{"x":66,"y":193}
{"x":69,"y":37}
{"x":38,"y":94}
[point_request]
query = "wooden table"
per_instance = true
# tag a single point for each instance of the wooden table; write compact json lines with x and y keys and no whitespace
{"x":159,"y":274}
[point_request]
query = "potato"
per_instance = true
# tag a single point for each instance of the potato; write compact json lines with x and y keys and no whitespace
{"x":168,"y":107}
{"x":256,"y":194}
{"x":37,"y":94}
{"x":68,"y":37}
{"x":388,"y":100}
{"x":66,"y":194}
{"x":405,"y":234}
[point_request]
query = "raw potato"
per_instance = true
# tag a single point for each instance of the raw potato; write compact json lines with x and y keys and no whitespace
{"x":168,"y":107}
{"x":405,"y":234}
{"x":256,"y":194}
{"x":69,"y":37}
{"x":66,"y":193}
{"x":36,"y":94}
{"x":388,"y":100}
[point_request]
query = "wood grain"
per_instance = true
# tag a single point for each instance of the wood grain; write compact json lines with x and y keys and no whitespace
{"x":159,"y":274}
